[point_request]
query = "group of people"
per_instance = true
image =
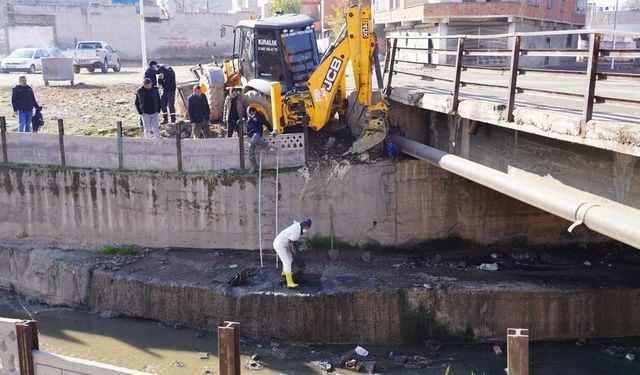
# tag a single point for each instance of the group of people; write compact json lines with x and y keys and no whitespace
{"x":149,"y":104}
{"x":24,"y":103}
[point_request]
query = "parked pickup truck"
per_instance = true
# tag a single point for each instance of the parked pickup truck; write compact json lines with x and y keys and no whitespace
{"x":95,"y":55}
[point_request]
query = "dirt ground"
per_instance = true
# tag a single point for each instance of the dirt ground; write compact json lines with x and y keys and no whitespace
{"x":90,"y":107}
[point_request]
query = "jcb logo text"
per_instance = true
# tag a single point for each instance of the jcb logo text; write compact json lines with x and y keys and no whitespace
{"x":332,"y":74}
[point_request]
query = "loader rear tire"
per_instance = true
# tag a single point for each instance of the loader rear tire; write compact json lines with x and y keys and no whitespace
{"x":213,"y":79}
{"x":261,"y":102}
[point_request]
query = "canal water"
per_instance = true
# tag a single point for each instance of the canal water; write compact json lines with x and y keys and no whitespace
{"x":165,"y":349}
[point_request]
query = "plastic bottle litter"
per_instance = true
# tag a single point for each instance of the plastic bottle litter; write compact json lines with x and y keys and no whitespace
{"x":362,"y":351}
{"x":488,"y":266}
{"x":630,"y":357}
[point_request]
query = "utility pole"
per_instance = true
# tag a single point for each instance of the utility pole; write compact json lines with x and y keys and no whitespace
{"x":143,"y":39}
{"x":615,"y":25}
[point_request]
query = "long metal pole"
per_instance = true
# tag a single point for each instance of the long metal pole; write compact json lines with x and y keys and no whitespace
{"x":615,"y":25}
{"x":143,"y":38}
{"x":277,"y":200}
{"x":600,"y":219}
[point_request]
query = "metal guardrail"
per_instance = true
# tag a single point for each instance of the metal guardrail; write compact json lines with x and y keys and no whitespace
{"x":591,"y":73}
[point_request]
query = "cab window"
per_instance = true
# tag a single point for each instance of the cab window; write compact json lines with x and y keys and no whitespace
{"x":268,"y":55}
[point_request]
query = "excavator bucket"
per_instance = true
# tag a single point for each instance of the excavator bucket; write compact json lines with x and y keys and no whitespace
{"x":368,"y":124}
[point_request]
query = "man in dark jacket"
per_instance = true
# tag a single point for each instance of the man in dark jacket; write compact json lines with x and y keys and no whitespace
{"x":255,"y":123}
{"x":167,"y":80}
{"x":23,"y":101}
{"x":152,"y":71}
{"x":148,"y":106}
{"x":234,"y":110}
{"x":198,"y":108}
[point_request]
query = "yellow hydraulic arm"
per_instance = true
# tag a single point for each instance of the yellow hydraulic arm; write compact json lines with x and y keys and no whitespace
{"x":356,"y":44}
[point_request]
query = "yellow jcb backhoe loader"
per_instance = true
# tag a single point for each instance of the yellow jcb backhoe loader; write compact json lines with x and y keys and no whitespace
{"x":277,"y":63}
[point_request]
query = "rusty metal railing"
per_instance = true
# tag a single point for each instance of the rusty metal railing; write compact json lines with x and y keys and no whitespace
{"x":455,"y":77}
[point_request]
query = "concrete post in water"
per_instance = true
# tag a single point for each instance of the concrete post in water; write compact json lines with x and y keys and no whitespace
{"x":61,"y":138}
{"x":518,"y":351}
{"x":229,"y":348}
{"x":120,"y":160}
{"x":3,"y":134}
{"x":27,"y":339}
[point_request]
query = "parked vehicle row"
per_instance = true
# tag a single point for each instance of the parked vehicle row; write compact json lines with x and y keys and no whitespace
{"x":90,"y":55}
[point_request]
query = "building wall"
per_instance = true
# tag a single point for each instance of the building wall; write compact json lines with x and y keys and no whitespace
{"x":184,"y":36}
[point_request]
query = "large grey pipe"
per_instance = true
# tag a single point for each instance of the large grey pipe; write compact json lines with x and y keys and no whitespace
{"x":601,"y":219}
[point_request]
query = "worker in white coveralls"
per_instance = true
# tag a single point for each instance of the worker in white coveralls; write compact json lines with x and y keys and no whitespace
{"x":281,"y":246}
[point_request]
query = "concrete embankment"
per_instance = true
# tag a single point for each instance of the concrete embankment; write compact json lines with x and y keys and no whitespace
{"x":383,"y":300}
{"x":383,"y":203}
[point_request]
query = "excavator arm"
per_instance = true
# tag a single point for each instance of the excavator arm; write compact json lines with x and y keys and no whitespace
{"x":366,"y":117}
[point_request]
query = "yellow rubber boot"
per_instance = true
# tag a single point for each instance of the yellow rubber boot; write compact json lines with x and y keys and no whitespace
{"x":290,"y":282}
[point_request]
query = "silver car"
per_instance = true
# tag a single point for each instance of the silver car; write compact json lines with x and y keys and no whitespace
{"x":24,"y":60}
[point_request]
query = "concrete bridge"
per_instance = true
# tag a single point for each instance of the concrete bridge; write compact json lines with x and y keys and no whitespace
{"x":570,"y":134}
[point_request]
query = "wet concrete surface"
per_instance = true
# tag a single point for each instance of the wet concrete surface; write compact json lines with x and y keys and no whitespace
{"x":164,"y":349}
{"x":368,"y":297}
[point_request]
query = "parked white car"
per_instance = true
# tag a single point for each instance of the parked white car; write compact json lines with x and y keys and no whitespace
{"x":94,"y":55}
{"x":24,"y":60}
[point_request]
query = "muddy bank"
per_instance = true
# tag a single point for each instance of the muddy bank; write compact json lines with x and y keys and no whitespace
{"x":388,"y":299}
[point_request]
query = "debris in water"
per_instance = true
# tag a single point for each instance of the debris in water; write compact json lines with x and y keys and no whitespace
{"x":497,"y":349}
{"x":488,"y":266}
{"x":325,"y":365}
{"x":177,"y":326}
{"x":255,"y":357}
{"x":417,"y":362}
{"x":352,"y":365}
{"x":362,"y":351}
{"x":177,"y":364}
{"x":107,"y":314}
{"x":630,"y":357}
{"x":581,"y":341}
{"x":253,"y":365}
{"x":587,"y":263}
{"x":204,"y":355}
{"x":233,"y":266}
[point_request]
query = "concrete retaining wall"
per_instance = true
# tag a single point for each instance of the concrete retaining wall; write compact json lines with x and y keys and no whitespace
{"x":147,"y":154}
{"x":399,"y":204}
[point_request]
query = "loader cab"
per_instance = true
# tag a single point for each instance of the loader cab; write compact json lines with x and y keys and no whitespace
{"x":280,"y":48}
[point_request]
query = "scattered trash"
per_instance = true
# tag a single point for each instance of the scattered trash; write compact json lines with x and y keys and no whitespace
{"x":630,"y":357}
{"x":369,"y":366}
{"x":206,"y":371}
{"x":204,"y":356}
{"x":324,"y":365}
{"x":160,"y":325}
{"x":253,"y":365}
{"x":352,"y":365}
{"x":330,"y":142}
{"x":581,"y":341}
{"x":362,"y":351}
{"x":177,"y":364}
{"x":437,"y":259}
{"x":233,"y":266}
{"x":610,"y":352}
{"x":366,"y":256}
{"x":497,"y":349}
{"x":255,"y":357}
{"x":494,"y":256}
{"x":587,"y":263}
{"x":177,"y":326}
{"x":363,"y":157}
{"x":107,"y":314}
{"x":488,"y":266}
{"x":609,"y":265}
{"x":417,"y":362}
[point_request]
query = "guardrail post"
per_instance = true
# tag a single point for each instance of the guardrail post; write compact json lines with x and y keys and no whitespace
{"x":518,"y":351}
{"x":120,"y":159}
{"x":27,"y":339}
{"x":392,"y":63}
{"x":61,"y":138}
{"x":229,"y":348}
{"x":3,"y":135}
{"x":515,"y":59}
{"x":592,"y":75}
{"x":179,"y":145}
{"x":456,"y":82}
{"x":241,"y":144}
